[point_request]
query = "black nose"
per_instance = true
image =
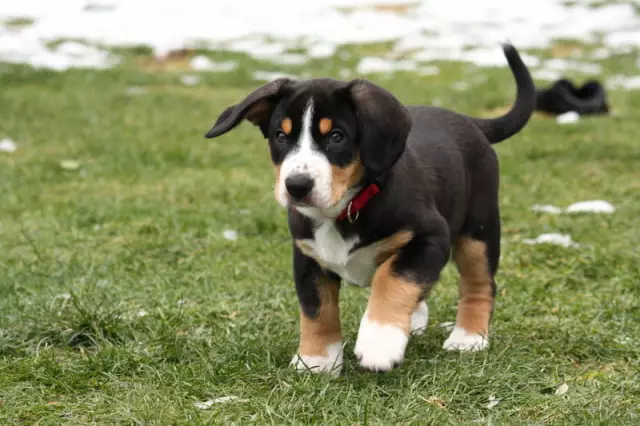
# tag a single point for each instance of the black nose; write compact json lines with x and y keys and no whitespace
{"x":299,"y":186}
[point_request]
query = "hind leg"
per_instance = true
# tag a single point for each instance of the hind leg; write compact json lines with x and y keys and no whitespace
{"x":476,"y":257}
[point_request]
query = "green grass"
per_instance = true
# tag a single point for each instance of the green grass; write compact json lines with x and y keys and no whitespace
{"x":138,"y":227}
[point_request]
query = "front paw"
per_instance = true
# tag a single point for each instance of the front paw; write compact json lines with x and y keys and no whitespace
{"x":331,"y":363}
{"x":380,"y":347}
{"x":461,"y":340}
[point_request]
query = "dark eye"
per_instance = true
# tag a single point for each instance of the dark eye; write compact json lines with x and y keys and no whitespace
{"x":281,"y":136}
{"x":336,"y":136}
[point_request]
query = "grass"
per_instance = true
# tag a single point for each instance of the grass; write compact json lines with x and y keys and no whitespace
{"x":122,"y":302}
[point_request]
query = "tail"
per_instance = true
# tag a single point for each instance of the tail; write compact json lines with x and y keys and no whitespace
{"x":501,"y":128}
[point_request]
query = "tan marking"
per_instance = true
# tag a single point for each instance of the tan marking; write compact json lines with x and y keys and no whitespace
{"x":258,"y":112}
{"x":393,"y":299}
{"x":476,"y":299}
{"x":325,"y":126}
{"x":390,"y":245}
{"x":287,"y":126}
{"x":308,"y":251}
{"x":344,"y":178}
{"x":319,"y":332}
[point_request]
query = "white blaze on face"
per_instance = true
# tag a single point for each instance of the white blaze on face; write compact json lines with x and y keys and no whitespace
{"x":307,"y":160}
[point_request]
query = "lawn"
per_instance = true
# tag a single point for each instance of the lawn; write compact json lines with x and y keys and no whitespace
{"x":123,"y":302}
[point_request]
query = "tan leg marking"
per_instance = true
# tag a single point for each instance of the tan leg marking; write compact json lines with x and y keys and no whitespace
{"x":316,"y":334}
{"x":287,"y":126}
{"x":393,"y":299}
{"x":390,"y":245}
{"x":344,"y":178}
{"x":476,"y":299}
{"x":325,"y":126}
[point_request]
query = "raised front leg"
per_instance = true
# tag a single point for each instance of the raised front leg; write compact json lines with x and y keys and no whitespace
{"x":396,"y":301}
{"x":320,"y":349}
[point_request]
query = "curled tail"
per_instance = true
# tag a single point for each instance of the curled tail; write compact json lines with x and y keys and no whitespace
{"x":501,"y":128}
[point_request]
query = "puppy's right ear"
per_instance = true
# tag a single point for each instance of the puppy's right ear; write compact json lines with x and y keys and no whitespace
{"x":256,"y":108}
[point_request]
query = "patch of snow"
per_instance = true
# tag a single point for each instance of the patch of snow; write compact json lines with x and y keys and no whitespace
{"x":562,"y":389}
{"x":230,"y":235}
{"x":322,"y":50}
{"x":624,"y":82}
{"x":429,"y":70}
{"x":559,"y":64}
{"x":190,"y":80}
{"x":371,"y":65}
{"x":592,"y":206}
{"x":271,"y":75}
{"x":203,"y":63}
{"x":557,"y":239}
{"x":439,"y":30}
{"x":135,"y":90}
{"x":570,"y":117}
{"x":546,"y":208}
{"x":546,"y":74}
{"x":7,"y":145}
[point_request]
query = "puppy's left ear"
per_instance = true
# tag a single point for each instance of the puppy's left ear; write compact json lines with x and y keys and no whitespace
{"x":255,"y":108}
{"x":383,"y":123}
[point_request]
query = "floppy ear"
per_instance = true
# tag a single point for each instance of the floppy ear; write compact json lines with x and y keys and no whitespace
{"x":256,"y":108}
{"x":383,"y":123}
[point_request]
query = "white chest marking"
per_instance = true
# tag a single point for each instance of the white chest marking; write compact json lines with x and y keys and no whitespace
{"x":332,"y":252}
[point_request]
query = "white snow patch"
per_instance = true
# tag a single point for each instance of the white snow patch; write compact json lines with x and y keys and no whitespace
{"x":271,"y":75}
{"x":135,"y":90}
{"x":7,"y":145}
{"x":559,"y":64}
{"x":592,"y":206}
{"x":203,"y":63}
{"x":557,"y":239}
{"x":546,"y":74}
{"x":562,"y":389}
{"x":570,"y":117}
{"x":230,"y":235}
{"x":190,"y":80}
{"x":437,"y":30}
{"x":370,"y":65}
{"x":546,"y":208}
{"x":623,"y":82}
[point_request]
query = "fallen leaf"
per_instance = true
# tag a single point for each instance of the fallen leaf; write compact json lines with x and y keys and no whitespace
{"x":434,"y":400}
{"x":70,"y":164}
{"x":562,"y":389}
{"x":54,"y":403}
{"x":220,"y":400}
{"x":493,"y":401}
{"x":7,"y":145}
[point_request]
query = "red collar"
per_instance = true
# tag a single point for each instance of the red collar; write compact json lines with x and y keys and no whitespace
{"x":358,"y":202}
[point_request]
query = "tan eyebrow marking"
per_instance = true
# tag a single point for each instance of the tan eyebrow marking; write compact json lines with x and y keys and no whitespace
{"x":325,"y":125}
{"x":287,"y":126}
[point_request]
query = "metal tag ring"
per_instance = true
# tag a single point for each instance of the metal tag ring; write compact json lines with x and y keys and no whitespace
{"x":352,"y":219}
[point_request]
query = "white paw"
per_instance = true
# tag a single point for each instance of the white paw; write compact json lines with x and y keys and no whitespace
{"x":420,"y":318}
{"x":330,"y":364}
{"x":460,"y":340}
{"x":380,"y":347}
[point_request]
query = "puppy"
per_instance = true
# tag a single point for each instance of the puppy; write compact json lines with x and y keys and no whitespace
{"x":380,"y":194}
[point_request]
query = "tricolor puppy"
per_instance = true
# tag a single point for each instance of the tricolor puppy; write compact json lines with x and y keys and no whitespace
{"x":380,"y":195}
